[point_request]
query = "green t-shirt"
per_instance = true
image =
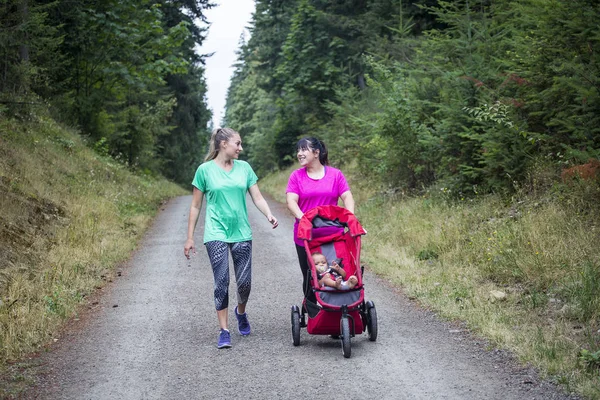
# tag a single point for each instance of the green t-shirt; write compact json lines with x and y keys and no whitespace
{"x":226,"y":214}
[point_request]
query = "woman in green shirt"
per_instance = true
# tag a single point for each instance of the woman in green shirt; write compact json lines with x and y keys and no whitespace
{"x":224,"y":181}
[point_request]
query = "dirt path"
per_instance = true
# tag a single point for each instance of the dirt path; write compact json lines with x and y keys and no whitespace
{"x":153,"y":336}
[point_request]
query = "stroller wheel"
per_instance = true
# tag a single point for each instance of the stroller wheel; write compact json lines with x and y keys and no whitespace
{"x":295,"y":325}
{"x":371,"y":321}
{"x":345,"y":337}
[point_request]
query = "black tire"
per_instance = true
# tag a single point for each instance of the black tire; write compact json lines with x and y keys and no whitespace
{"x":295,"y":325}
{"x":371,"y":321}
{"x":345,"y":337}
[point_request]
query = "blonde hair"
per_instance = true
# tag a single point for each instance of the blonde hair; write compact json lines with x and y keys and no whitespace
{"x":218,"y":135}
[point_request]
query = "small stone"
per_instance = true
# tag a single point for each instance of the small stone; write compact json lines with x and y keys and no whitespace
{"x":497,"y":295}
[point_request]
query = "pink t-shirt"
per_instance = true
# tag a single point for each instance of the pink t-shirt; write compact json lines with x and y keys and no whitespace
{"x":316,"y":192}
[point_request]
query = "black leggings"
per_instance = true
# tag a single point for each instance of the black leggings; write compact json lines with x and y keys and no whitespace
{"x":306,"y":275}
{"x":241,"y":253}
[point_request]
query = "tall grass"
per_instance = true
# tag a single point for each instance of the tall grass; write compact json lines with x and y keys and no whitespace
{"x":523,"y":272}
{"x":70,"y":217}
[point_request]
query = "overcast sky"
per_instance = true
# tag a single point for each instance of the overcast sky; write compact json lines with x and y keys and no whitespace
{"x":228,"y":21}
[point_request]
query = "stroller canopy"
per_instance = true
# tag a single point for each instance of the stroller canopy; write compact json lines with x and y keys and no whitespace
{"x":328,"y":216}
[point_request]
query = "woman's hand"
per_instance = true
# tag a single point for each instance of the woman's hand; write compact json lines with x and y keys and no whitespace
{"x":273,"y":221}
{"x":189,"y":245}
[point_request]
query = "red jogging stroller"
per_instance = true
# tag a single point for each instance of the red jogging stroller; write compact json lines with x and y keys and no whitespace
{"x":337,"y":312}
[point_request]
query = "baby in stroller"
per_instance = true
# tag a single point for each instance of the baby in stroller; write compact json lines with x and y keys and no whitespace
{"x":332,"y":276}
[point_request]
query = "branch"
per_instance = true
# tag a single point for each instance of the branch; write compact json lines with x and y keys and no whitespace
{"x":19,"y":102}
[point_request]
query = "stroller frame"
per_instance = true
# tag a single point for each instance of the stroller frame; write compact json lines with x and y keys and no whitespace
{"x":343,"y":313}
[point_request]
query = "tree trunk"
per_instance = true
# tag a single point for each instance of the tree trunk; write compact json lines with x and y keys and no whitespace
{"x":24,"y":48}
{"x":361,"y":82}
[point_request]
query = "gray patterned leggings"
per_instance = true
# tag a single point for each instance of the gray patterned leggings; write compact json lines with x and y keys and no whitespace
{"x":241,"y":253}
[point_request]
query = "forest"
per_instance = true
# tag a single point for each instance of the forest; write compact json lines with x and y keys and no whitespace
{"x":126,"y":74}
{"x":467,"y":95}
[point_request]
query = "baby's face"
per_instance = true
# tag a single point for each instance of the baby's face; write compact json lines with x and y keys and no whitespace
{"x":320,"y":262}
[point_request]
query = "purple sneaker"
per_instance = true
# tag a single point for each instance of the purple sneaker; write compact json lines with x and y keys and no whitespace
{"x":243,"y":324}
{"x":224,"y":339}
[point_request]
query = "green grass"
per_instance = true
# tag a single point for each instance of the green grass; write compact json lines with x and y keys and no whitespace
{"x":69,"y":218}
{"x":522,"y":272}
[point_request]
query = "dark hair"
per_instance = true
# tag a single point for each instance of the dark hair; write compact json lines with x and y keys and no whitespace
{"x":312,"y":144}
{"x":218,"y":135}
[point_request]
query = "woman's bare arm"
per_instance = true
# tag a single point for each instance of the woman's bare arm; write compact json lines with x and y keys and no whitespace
{"x":197,"y":198}
{"x":292,"y":204}
{"x":348,"y":200}
{"x":260,"y":203}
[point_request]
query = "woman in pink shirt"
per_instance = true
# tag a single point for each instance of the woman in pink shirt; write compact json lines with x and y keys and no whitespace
{"x":314,"y":184}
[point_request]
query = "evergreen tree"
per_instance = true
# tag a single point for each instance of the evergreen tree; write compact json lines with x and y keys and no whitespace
{"x":28,"y":43}
{"x":183,"y":149}
{"x":465,"y":94}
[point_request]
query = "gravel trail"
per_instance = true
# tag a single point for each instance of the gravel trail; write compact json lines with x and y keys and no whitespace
{"x":152,"y":335}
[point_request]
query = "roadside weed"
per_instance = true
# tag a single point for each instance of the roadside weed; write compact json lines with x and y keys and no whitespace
{"x":590,"y":359}
{"x":72,"y":217}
